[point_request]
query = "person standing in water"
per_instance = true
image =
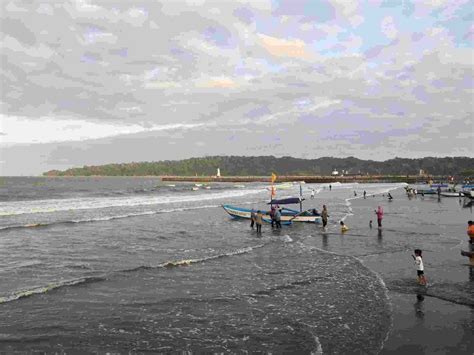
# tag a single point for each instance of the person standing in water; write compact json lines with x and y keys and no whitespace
{"x":420,"y":272}
{"x":278,"y":218}
{"x":344,"y":228}
{"x":379,"y":213}
{"x":272,"y":215}
{"x":470,"y":233}
{"x":324,"y":216}
{"x":259,"y":221}
{"x":330,"y":187}
{"x":365,"y":194}
{"x":253,"y":216}
{"x":312,"y":193}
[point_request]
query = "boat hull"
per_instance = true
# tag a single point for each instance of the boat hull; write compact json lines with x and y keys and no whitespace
{"x":450,"y":194}
{"x":426,"y":192}
{"x":286,"y":218}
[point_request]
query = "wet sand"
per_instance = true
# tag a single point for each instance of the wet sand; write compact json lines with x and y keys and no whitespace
{"x":438,"y":319}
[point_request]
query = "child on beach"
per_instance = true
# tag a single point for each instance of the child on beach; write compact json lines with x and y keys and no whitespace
{"x":419,"y":267}
{"x":344,"y":228}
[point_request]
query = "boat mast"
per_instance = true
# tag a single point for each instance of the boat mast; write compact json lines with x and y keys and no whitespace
{"x":272,"y":189}
{"x":301,"y":198}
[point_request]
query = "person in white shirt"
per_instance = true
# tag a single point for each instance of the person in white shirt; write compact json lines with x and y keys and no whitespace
{"x":419,"y":267}
{"x":312,"y":193}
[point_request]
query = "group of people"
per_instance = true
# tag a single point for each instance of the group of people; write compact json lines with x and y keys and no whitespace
{"x":256,"y":218}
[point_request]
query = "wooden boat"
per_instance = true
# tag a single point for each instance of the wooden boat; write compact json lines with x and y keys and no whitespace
{"x":450,"y":194}
{"x":426,"y":192}
{"x":288,"y":216}
{"x":469,"y":254}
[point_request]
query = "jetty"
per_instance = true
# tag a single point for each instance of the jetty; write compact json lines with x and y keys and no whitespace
{"x":303,"y":178}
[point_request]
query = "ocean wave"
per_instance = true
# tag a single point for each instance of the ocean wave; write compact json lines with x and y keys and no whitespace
{"x":85,"y":280}
{"x":187,"y":262}
{"x":44,"y":289}
{"x":85,"y":203}
{"x":102,"y":219}
{"x":377,"y":277}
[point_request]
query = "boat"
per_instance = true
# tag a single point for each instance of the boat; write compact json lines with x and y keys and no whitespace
{"x":195,"y":188}
{"x":426,"y":192}
{"x":468,"y":190}
{"x":288,"y":215}
{"x":441,"y":186}
{"x":450,"y":194}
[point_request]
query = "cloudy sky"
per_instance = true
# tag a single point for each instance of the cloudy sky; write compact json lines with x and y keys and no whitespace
{"x":95,"y":82}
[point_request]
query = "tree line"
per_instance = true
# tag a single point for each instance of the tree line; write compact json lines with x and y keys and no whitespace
{"x":265,"y":165}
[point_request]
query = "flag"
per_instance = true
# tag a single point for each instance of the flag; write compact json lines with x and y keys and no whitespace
{"x":274,"y":177}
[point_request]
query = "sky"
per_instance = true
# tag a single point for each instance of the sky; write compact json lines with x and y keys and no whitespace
{"x":97,"y":82}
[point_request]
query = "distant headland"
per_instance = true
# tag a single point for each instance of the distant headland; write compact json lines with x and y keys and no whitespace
{"x":258,"y":168}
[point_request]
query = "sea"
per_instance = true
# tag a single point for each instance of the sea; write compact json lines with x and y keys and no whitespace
{"x":136,"y":265}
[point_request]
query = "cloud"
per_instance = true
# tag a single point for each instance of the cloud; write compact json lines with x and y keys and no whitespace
{"x":220,"y":83}
{"x":271,"y":75}
{"x":279,"y":47}
{"x":388,"y":27}
{"x":47,"y":130}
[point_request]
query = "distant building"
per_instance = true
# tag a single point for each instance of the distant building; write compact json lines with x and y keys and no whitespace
{"x":422,"y":172}
{"x":218,"y":172}
{"x":335,"y":172}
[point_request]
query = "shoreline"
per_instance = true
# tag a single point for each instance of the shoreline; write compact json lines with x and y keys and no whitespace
{"x":433,"y":320}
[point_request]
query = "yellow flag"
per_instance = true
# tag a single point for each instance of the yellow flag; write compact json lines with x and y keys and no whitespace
{"x":274,"y":177}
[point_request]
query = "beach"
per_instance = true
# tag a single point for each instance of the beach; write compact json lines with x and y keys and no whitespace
{"x":126,"y":265}
{"x":437,"y":319}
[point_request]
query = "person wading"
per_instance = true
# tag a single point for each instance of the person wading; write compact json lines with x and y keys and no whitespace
{"x":324,"y":216}
{"x":379,"y":213}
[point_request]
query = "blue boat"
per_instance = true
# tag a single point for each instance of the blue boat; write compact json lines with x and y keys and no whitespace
{"x":288,"y":215}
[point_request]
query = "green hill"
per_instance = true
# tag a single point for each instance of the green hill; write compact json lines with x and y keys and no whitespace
{"x":264,"y":165}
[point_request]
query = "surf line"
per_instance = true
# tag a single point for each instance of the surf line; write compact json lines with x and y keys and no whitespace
{"x":103,"y":219}
{"x":378,"y":278}
{"x":84,"y":280}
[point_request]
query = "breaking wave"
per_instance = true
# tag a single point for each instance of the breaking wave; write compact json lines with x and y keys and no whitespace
{"x":85,"y":203}
{"x":86,"y":280}
{"x":103,"y":219}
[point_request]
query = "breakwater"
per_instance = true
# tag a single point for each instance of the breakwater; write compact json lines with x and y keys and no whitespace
{"x":306,"y":178}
